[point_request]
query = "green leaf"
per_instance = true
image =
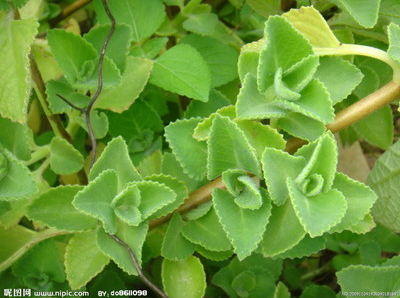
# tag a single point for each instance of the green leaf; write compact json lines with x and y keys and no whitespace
{"x":191,"y":153}
{"x":261,"y":136}
{"x":83,"y":259}
{"x":207,"y":232}
{"x":228,"y":148}
{"x":41,"y":264}
{"x":283,"y":231}
{"x":136,"y":121}
{"x":73,"y":54}
{"x":302,"y":126}
{"x":217,"y":256}
{"x":281,"y":291}
{"x":319,"y":213}
{"x":316,"y":291}
{"x":339,"y":87}
{"x":144,"y":17}
{"x":15,"y":137}
{"x":377,"y":128}
{"x":284,"y":47}
{"x":95,"y":199}
{"x":184,"y":279}
{"x":201,"y":23}
{"x":133,"y":81}
{"x":277,"y":167}
{"x":18,"y":211}
{"x":176,"y":247}
{"x":117,"y":47}
{"x":244,"y":227}
{"x":364,"y":12}
{"x":313,"y":26}
{"x":182,"y":70}
{"x":306,"y":247}
{"x":203,"y":109}
{"x":221,"y":58}
{"x":17,"y":175}
{"x":384,"y":179}
{"x":14,"y":69}
{"x":178,"y":187}
{"x":153,"y":197}
{"x":248,"y":58}
{"x":63,"y":88}
{"x":125,"y":205}
{"x":265,"y":8}
{"x":64,"y":158}
{"x":360,"y":199}
{"x":251,"y":104}
{"x":244,"y":283}
{"x":54,"y":209}
{"x":115,"y":156}
{"x":133,"y":236}
{"x":99,"y":123}
{"x":369,"y":279}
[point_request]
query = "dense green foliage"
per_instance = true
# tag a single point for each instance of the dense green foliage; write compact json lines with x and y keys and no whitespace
{"x":197,"y":108}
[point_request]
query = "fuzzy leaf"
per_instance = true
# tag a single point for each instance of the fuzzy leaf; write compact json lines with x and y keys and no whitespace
{"x":207,"y":232}
{"x":364,"y":12}
{"x":302,"y":126}
{"x":176,"y":247}
{"x":134,"y":79}
{"x":228,"y":148}
{"x":251,"y":104}
{"x":221,"y":58}
{"x":182,"y":70}
{"x":64,"y":158}
{"x":15,"y":175}
{"x":277,"y":167}
{"x":313,"y":26}
{"x":99,"y":123}
{"x":72,"y":53}
{"x":248,"y":58}
{"x":95,"y":199}
{"x":394,"y":41}
{"x":144,"y":17}
{"x":319,"y":213}
{"x":115,"y":156}
{"x":369,"y":279}
{"x":83,"y":259}
{"x":179,"y":189}
{"x":133,"y":236}
{"x":339,"y":87}
{"x":306,"y":247}
{"x":244,"y":227}
{"x":125,"y":205}
{"x":184,"y":279}
{"x":203,"y":109}
{"x":15,"y":138}
{"x":383,"y":179}
{"x":283,"y":231}
{"x":15,"y":43}
{"x":191,"y":153}
{"x":63,"y":88}
{"x":117,"y":48}
{"x":54,"y":208}
{"x":360,"y":199}
{"x":284,"y":47}
{"x":265,"y":8}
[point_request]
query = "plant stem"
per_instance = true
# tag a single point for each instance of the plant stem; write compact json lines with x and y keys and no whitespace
{"x":39,"y":154}
{"x":361,"y":50}
{"x":68,"y":10}
{"x":196,"y":198}
{"x":357,"y":111}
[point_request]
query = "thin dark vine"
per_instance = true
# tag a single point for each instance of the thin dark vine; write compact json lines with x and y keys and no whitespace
{"x":86,"y":111}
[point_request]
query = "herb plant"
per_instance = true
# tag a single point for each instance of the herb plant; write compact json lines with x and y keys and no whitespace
{"x":190,"y":148}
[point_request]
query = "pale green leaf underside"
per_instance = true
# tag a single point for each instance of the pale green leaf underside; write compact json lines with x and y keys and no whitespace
{"x":244,"y":227}
{"x":364,"y":12}
{"x":54,"y":208}
{"x":15,"y":43}
{"x":384,"y":179}
{"x":64,"y":158}
{"x":83,"y":259}
{"x":184,"y":279}
{"x":182,"y":70}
